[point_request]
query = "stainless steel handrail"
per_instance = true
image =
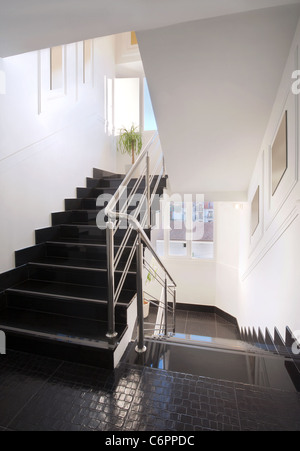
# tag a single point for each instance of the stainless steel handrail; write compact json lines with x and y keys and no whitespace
{"x":114,"y":220}
{"x":137,"y":226}
{"x":118,"y":195}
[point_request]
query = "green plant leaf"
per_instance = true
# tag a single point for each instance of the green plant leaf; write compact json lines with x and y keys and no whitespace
{"x":130,"y":139}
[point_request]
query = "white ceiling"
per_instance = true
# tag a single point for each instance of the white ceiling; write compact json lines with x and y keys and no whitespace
{"x":213,"y":84}
{"x":27,"y":25}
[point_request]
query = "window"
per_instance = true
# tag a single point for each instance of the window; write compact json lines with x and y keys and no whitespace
{"x":255,"y":212}
{"x":126,"y":102}
{"x":87,"y":61}
{"x":203,"y":230}
{"x":178,"y":238}
{"x":149,"y":117}
{"x":56,"y":68}
{"x":186,"y":229}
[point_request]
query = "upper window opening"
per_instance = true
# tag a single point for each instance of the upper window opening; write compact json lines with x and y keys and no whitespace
{"x":149,"y":117}
{"x":56,"y":68}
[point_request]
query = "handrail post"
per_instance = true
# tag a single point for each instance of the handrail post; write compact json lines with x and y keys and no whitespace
{"x":111,"y":280}
{"x":166,"y":307}
{"x":174,"y":310}
{"x":148,"y":188}
{"x":140,"y":348}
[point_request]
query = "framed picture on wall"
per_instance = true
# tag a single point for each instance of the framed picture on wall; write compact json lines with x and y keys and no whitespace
{"x":255,"y":215}
{"x":280,"y":154}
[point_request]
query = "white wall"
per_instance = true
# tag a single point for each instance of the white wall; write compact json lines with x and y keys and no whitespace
{"x":49,"y":142}
{"x":265,"y":291}
{"x":227,"y":236}
{"x":196,"y":280}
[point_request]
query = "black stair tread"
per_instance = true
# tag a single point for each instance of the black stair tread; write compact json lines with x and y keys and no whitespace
{"x":97,"y":265}
{"x":80,"y":263}
{"x":84,"y":240}
{"x":70,"y":263}
{"x":63,"y":328}
{"x":100,"y":240}
{"x":65,"y":290}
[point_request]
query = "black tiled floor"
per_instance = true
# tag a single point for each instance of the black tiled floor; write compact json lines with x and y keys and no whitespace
{"x":199,"y":323}
{"x":41,"y":394}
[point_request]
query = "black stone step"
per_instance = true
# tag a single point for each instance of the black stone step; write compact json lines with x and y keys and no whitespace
{"x":69,"y":291}
{"x":94,"y":182}
{"x":109,"y":188}
{"x":100,"y":174}
{"x":61,"y":337}
{"x":70,"y":254}
{"x":63,"y":305}
{"x":116,"y":182}
{"x":94,"y":193}
{"x":84,"y":217}
{"x":70,"y":233}
{"x":87,"y":204}
{"x":76,"y":275}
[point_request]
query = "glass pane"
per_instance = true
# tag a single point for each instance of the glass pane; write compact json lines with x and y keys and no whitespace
{"x":178,"y":243}
{"x":127,"y":103}
{"x":56,"y":68}
{"x":87,"y":61}
{"x":202,"y":250}
{"x":149,"y":117}
{"x":203,"y":230}
{"x":255,"y":213}
{"x":280,"y":155}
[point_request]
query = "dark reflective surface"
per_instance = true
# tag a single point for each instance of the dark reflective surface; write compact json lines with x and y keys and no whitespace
{"x":255,"y":369}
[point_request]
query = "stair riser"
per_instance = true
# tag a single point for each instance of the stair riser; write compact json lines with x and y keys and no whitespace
{"x":61,"y":306}
{"x":78,"y":277}
{"x":3,"y":301}
{"x":115,"y":183}
{"x":94,"y":193}
{"x":84,"y":253}
{"x":100,"y":174}
{"x":78,"y":205}
{"x":81,"y":252}
{"x":80,"y":234}
{"x":81,"y":217}
{"x":13,"y":277}
{"x":24,"y":256}
{"x":95,"y":182}
{"x":58,"y":350}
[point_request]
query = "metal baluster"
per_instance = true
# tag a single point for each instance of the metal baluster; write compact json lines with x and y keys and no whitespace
{"x":174,"y":311}
{"x":140,"y":348}
{"x":148,"y":192}
{"x":166,"y":307}
{"x":111,"y":281}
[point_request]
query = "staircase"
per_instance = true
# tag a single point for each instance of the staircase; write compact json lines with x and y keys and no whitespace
{"x":55,"y":302}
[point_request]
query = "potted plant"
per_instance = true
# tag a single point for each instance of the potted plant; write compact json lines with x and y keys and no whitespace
{"x":130,"y":141}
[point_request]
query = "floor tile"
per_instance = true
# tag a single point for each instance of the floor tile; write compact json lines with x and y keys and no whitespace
{"x":40,"y":394}
{"x":80,"y":398}
{"x":268,"y":409}
{"x":21,"y":377}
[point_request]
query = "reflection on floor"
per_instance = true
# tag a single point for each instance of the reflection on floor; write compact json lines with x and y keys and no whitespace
{"x":208,"y":345}
{"x":41,"y":394}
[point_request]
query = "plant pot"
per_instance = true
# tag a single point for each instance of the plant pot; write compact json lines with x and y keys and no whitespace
{"x":146,"y":309}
